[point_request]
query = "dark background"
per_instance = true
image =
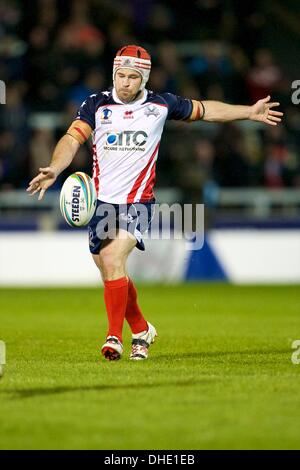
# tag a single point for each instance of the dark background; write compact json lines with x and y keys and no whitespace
{"x":53,"y":54}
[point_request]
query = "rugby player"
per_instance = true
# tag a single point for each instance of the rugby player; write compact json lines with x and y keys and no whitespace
{"x":126,"y":124}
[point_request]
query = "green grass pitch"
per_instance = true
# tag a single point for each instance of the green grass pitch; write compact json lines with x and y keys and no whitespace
{"x":219,"y":376}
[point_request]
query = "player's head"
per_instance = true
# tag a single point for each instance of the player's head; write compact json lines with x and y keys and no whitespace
{"x":133,"y":58}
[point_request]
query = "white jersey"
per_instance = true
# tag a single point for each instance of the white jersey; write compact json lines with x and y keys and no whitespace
{"x":126,"y":140}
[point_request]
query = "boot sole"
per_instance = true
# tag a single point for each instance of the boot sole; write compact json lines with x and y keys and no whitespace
{"x":111,"y":354}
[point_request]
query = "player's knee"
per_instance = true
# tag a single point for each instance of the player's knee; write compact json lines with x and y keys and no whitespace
{"x":110,"y":261}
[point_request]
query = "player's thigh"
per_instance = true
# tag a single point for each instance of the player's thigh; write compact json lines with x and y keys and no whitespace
{"x":115,"y":250}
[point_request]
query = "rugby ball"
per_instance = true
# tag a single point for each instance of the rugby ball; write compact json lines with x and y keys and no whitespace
{"x":78,"y":199}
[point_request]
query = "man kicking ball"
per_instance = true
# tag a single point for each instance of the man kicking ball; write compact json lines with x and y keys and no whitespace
{"x":126,"y":124}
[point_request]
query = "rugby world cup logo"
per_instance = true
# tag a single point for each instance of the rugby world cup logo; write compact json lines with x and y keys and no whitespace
{"x":106,"y":114}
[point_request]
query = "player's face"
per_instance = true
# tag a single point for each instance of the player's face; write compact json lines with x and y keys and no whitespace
{"x":127,"y":84}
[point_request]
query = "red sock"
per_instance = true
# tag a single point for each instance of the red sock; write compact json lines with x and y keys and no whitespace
{"x":133,"y":313}
{"x":115,"y":296}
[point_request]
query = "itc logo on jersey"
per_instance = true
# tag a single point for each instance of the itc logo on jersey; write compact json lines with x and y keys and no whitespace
{"x":126,"y":141}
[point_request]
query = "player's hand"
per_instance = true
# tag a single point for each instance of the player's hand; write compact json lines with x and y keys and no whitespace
{"x":262,"y":111}
{"x":42,"y":182}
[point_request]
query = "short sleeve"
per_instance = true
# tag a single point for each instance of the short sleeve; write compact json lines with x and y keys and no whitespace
{"x":178,"y":108}
{"x":86,"y":112}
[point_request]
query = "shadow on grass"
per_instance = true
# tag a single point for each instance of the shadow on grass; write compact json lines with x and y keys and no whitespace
{"x":263,"y":353}
{"x":218,"y":354}
{"x":40,"y":392}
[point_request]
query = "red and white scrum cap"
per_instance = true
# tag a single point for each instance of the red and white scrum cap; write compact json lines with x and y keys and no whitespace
{"x":135,"y":58}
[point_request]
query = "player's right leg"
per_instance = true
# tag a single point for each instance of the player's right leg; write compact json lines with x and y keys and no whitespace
{"x":111,"y":262}
{"x":110,"y":256}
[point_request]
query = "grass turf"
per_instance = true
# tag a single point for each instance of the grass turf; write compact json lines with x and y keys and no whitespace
{"x":219,"y":376}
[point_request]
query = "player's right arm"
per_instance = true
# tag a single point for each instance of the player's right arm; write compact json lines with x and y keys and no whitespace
{"x":63,"y":154}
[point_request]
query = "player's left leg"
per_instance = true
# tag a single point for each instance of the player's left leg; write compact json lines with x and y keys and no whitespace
{"x":133,"y":312}
{"x":143,"y":333}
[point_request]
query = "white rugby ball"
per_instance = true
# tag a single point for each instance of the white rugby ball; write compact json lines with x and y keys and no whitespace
{"x":78,"y":199}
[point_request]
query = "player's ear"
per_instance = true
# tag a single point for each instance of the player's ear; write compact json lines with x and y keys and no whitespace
{"x":80,"y":130}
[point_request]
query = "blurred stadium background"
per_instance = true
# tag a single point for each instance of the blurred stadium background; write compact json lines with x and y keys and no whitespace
{"x":53,"y":54}
{"x":220,"y":375}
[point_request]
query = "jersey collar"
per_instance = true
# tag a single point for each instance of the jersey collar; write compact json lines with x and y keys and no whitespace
{"x":141,"y":100}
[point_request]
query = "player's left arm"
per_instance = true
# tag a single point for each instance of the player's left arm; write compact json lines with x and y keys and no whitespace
{"x":216,"y":111}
